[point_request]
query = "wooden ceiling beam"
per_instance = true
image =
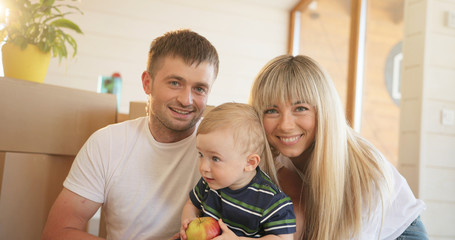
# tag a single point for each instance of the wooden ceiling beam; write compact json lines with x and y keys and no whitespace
{"x":301,"y":6}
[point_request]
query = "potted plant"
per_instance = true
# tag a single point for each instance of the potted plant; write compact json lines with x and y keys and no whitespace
{"x":36,"y":29}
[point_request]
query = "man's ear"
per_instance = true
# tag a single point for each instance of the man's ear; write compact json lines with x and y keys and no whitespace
{"x":252,"y":162}
{"x":146,"y":82}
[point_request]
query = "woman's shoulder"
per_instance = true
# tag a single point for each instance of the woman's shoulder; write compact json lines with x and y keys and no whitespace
{"x":401,"y":207}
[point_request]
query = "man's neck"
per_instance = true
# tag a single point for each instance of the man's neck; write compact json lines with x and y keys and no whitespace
{"x":165,"y":135}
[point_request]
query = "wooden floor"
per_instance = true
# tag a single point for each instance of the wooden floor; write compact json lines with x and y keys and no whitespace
{"x":325,"y":37}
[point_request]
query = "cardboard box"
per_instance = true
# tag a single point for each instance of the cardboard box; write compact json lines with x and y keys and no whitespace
{"x":137,"y":109}
{"x":29,"y":185}
{"x":42,"y":127}
{"x":42,"y":118}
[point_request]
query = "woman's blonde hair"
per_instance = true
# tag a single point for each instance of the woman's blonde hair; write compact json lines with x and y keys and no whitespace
{"x":344,"y":171}
{"x":247,"y":129}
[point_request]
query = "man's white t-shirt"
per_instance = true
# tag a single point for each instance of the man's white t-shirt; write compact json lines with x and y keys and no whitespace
{"x":143,"y":184}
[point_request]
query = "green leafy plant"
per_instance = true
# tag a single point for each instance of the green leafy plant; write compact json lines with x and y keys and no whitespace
{"x":41,"y":23}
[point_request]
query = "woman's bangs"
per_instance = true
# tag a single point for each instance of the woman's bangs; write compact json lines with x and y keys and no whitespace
{"x":295,"y":88}
{"x":285,"y":87}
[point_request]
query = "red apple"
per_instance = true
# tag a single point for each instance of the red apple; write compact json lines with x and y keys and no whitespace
{"x":203,"y":228}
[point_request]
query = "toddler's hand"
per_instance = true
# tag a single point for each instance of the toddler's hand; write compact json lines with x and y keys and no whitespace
{"x":226,"y":233}
{"x":183,"y":228}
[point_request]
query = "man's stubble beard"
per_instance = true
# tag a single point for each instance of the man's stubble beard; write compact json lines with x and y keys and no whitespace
{"x":169,"y":125}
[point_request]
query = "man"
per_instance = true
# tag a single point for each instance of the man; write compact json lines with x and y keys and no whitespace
{"x":140,"y":170}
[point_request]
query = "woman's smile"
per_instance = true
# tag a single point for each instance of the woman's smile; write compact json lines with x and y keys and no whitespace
{"x":290,"y":139}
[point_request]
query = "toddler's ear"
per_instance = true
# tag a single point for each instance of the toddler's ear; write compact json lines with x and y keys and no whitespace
{"x":252,"y":162}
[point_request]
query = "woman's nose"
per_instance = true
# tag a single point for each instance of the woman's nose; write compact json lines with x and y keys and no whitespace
{"x":287,"y":122}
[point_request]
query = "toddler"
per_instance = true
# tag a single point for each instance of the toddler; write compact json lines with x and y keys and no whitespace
{"x":233,"y":189}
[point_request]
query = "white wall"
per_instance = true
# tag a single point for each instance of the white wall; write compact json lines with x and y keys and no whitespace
{"x":118,"y":33}
{"x":427,"y":147}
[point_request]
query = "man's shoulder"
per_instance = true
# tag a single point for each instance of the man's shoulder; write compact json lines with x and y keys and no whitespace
{"x":132,"y":123}
{"x":122,"y":128}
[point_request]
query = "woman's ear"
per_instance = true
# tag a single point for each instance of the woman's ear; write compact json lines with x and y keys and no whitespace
{"x":252,"y":162}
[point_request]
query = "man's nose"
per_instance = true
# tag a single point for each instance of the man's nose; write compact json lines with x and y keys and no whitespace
{"x":186,"y":97}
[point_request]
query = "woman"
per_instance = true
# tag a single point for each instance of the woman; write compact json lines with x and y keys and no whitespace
{"x":341,"y":185}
